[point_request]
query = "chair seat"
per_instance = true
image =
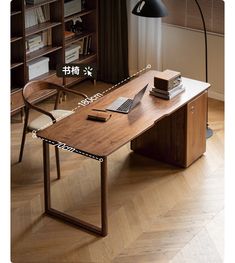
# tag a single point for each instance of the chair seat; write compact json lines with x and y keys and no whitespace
{"x":44,"y":121}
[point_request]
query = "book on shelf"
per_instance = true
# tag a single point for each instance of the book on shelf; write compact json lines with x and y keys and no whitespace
{"x":30,"y":18}
{"x":80,"y":43}
{"x":34,"y":43}
{"x":46,"y":12}
{"x":45,"y":37}
{"x":85,"y":46}
{"x":34,"y":39}
{"x":34,"y":17}
{"x":89,"y":45}
{"x":49,"y":37}
{"x":68,"y":34}
{"x":176,"y":91}
{"x":35,"y":48}
{"x":40,"y":15}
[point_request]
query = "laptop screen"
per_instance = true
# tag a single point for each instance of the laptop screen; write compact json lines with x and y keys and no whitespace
{"x":138,"y":97}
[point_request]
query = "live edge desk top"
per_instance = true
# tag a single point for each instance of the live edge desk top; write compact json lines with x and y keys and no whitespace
{"x":103,"y":138}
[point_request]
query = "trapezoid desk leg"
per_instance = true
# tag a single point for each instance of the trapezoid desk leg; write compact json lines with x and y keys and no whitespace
{"x":66,"y":218}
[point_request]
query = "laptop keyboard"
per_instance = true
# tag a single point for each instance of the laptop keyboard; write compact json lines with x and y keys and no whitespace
{"x":125,"y":106}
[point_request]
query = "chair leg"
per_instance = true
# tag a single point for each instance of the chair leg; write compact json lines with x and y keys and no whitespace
{"x":24,"y":135}
{"x":57,"y":156}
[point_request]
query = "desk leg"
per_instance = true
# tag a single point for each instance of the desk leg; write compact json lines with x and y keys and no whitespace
{"x":103,"y":230}
{"x":104,"y":219}
{"x":47,"y":182}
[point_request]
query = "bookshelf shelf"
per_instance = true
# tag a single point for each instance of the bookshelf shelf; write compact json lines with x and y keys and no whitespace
{"x":77,"y":38}
{"x":29,"y":7}
{"x":13,"y":13}
{"x":13,"y":39}
{"x":16,"y":64}
{"x":53,"y":37}
{"x":80,"y":14}
{"x":85,"y":58}
{"x":40,"y":27}
{"x":41,"y":52}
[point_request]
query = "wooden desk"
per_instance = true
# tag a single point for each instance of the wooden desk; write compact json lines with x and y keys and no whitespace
{"x":170,"y":130}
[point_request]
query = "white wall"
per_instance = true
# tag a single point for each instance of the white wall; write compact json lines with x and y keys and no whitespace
{"x":183,"y":50}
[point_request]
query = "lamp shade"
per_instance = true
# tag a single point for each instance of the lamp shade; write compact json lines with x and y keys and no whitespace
{"x":150,"y":8}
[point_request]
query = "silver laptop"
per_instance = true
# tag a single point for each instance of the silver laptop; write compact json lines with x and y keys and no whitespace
{"x":125,"y":105}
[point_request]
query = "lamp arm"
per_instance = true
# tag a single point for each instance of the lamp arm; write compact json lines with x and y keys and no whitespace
{"x":205,"y":36}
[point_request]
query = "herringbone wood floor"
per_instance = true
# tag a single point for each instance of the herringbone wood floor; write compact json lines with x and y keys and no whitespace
{"x":157,"y":212}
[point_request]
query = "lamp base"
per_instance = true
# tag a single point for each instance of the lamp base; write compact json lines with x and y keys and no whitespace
{"x":209,"y":132}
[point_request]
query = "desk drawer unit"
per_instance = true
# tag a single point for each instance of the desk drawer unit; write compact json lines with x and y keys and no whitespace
{"x":178,"y":139}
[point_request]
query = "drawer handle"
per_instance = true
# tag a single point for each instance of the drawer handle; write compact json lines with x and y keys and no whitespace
{"x":192,"y":109}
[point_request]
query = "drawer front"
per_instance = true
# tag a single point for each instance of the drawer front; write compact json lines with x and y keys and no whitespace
{"x":17,"y":101}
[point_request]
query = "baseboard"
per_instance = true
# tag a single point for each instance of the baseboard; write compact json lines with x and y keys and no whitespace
{"x":216,"y":95}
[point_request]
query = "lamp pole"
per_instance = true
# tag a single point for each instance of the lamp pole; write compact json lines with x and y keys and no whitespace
{"x":205,"y":37}
{"x":209,"y":131}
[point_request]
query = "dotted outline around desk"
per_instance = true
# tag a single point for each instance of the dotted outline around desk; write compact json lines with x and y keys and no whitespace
{"x":34,"y":135}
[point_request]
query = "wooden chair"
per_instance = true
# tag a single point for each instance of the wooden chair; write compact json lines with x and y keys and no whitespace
{"x":48,"y":118}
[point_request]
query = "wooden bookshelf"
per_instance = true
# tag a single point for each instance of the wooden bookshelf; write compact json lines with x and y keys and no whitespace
{"x":53,"y":49}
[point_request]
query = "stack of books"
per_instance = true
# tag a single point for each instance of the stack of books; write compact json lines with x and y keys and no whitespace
{"x":68,"y":35}
{"x":167,"y":94}
{"x":34,"y":43}
{"x":167,"y":84}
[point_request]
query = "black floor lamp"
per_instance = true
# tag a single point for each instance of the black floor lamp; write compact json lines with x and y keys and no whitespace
{"x":156,"y":8}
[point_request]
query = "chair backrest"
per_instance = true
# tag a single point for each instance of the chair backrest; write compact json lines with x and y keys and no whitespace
{"x":33,"y":87}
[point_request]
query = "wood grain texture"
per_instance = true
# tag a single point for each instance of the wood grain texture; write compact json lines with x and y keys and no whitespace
{"x":157,"y":213}
{"x":196,"y":127}
{"x":102,"y":139}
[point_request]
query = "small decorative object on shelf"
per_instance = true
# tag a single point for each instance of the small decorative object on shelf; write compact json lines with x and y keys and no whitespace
{"x":77,"y":26}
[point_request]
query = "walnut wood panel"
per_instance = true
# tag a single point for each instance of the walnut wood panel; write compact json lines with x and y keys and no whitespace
{"x":196,"y":127}
{"x":166,"y":140}
{"x":102,"y":139}
{"x":180,"y":138}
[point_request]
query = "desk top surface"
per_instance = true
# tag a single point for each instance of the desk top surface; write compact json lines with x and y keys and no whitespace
{"x":103,"y":138}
